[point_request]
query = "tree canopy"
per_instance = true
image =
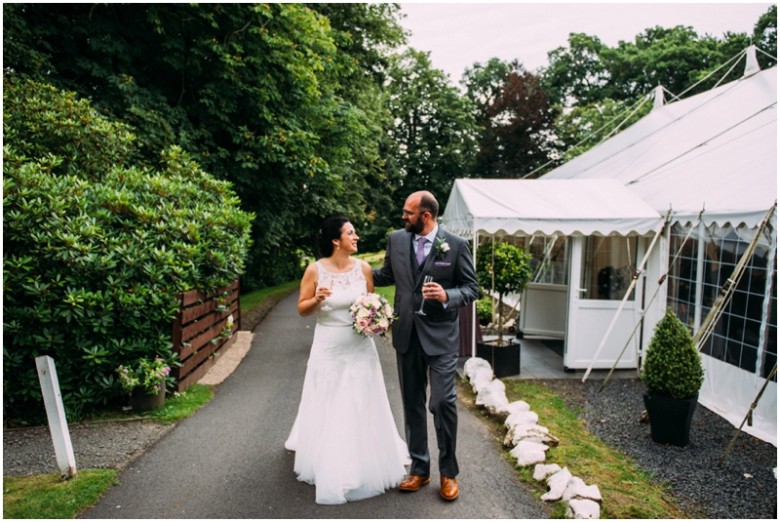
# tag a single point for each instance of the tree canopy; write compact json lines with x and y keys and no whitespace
{"x":279,"y":99}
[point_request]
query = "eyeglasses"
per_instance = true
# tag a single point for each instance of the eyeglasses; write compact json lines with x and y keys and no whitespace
{"x":407,"y":213}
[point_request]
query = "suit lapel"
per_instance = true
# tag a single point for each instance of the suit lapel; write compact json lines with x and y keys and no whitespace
{"x":408,"y":253}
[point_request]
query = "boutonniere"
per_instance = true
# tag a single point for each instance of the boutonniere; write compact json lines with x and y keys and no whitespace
{"x":442,"y":247}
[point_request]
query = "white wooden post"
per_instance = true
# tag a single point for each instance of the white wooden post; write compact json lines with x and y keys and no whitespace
{"x":55,"y":412}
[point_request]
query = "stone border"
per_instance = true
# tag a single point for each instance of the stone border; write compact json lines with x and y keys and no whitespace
{"x":530,"y":441}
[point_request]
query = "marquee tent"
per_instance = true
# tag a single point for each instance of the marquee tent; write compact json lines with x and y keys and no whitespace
{"x":710,"y":162}
{"x":713,"y":154}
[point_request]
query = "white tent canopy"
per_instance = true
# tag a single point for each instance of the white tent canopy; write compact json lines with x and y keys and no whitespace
{"x":548,"y":207}
{"x":716,"y":151}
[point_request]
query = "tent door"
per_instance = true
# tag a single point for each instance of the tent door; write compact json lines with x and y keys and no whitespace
{"x":600,"y":274}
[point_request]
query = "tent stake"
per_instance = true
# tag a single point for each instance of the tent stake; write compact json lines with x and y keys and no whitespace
{"x":749,"y":415}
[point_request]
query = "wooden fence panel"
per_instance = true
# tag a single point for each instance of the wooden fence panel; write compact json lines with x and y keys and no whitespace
{"x":203,"y":331}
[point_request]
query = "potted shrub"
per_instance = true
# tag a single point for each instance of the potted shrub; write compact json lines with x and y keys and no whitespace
{"x":673,"y":375}
{"x":146,"y":382}
{"x":504,"y":269}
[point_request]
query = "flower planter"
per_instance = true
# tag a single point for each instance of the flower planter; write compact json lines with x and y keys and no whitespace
{"x":670,"y":419}
{"x":141,"y":401}
{"x":505,"y":359}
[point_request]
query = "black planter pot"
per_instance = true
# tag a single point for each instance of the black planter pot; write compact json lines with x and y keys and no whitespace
{"x":142,"y":402}
{"x":670,"y":419}
{"x":505,"y":359}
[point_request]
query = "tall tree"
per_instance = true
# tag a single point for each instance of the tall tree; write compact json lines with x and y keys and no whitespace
{"x":577,"y":72}
{"x":434,"y":127}
{"x":514,"y":116}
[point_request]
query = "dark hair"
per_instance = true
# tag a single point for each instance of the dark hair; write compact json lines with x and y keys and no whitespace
{"x":330,"y":230}
{"x":429,"y":204}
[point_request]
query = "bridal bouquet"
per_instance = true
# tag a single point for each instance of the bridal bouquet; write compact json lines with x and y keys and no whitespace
{"x":371,"y":315}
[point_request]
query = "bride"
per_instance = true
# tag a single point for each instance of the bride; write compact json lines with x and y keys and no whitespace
{"x":344,"y":436}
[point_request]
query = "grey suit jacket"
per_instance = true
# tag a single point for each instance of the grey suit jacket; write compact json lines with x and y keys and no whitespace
{"x":454,"y":271}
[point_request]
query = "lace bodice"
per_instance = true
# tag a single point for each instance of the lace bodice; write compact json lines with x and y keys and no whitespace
{"x":347,"y":286}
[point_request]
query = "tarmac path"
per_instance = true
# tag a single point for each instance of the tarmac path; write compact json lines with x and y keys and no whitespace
{"x":229,"y":461}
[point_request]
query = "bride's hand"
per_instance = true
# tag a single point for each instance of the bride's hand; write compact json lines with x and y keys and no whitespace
{"x":322,"y":293}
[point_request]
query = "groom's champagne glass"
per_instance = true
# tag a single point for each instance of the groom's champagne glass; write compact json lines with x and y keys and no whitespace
{"x":326,"y":282}
{"x":426,"y":279}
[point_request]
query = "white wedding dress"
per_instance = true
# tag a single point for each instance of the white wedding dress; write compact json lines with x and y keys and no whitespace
{"x":344,"y":437}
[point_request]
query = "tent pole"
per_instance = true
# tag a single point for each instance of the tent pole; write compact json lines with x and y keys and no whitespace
{"x":749,"y":414}
{"x":474,"y":323}
{"x":730,"y":285}
{"x":638,"y":270}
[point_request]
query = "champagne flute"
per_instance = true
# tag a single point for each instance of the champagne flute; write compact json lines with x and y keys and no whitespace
{"x":426,"y":279}
{"x":326,"y":282}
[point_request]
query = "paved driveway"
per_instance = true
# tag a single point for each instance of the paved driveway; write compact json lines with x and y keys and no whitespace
{"x":228,"y":460}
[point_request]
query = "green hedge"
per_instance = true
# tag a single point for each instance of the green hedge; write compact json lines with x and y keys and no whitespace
{"x":96,"y":250}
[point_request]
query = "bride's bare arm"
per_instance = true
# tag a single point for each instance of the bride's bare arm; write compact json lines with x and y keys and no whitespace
{"x":369,"y":276}
{"x":308,"y":298}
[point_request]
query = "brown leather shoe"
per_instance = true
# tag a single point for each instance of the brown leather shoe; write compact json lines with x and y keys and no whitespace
{"x":414,"y":482}
{"x":449,"y":488}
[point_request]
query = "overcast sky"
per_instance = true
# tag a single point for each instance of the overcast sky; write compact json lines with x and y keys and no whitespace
{"x":459,"y":34}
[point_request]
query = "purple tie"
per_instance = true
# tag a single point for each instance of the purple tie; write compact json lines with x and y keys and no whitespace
{"x":421,"y":250}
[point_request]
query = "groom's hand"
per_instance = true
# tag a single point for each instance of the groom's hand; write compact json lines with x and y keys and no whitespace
{"x":434,"y":292}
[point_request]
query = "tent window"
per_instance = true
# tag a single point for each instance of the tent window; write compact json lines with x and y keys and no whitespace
{"x":550,"y":259}
{"x":682,"y":277}
{"x":737,"y":336}
{"x":609,"y":263}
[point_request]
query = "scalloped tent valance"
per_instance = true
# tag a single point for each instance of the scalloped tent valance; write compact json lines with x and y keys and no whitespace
{"x":526,"y":207}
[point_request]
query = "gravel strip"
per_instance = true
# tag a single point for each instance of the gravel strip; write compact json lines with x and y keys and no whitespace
{"x":30,"y":451}
{"x":744,"y":486}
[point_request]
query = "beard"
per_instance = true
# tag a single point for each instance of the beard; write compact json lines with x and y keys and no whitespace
{"x":414,"y":227}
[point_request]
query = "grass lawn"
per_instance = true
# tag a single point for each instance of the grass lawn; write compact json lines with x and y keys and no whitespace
{"x":252,"y":300}
{"x":48,"y":496}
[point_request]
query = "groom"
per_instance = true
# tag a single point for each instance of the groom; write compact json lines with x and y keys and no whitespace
{"x":428,"y":344}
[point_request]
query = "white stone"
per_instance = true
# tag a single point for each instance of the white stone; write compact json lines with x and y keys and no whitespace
{"x":529,"y":453}
{"x":521,"y":417}
{"x":509,"y":409}
{"x":579,"y":490}
{"x":571,"y":488}
{"x":531,"y":433}
{"x":557,"y":483}
{"x":518,"y":432}
{"x":518,"y":406}
{"x":482,"y":377}
{"x":582,"y":508}
{"x":542,"y":471}
{"x":493,"y":396}
{"x":472,"y":364}
{"x":495,"y":405}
